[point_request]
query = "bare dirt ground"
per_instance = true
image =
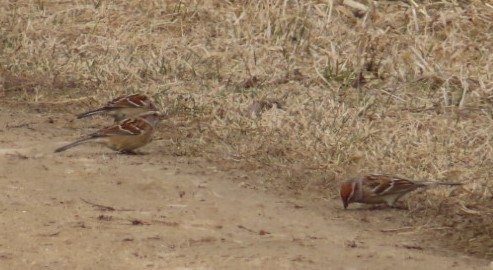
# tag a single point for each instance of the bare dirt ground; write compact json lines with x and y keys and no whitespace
{"x":92,"y":209}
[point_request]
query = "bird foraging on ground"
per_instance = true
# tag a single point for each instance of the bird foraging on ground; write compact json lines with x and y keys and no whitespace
{"x":125,"y":136}
{"x":124,"y":107}
{"x":381,"y":188}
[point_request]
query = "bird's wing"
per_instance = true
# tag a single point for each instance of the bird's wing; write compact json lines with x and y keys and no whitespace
{"x":387,"y":184}
{"x":130,"y":101}
{"x":128,"y":127}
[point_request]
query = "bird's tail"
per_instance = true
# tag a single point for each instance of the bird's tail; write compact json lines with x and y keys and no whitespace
{"x":74,"y":144}
{"x":440,"y":183}
{"x":94,"y":112}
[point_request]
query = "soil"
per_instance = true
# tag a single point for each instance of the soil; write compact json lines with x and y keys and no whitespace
{"x":90,"y":208}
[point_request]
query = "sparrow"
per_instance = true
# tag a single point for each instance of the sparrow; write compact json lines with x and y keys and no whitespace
{"x":123,"y":107}
{"x":381,"y":188}
{"x":125,"y":136}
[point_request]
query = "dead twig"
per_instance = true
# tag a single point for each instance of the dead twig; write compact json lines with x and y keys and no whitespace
{"x":103,"y":207}
{"x":398,"y":229}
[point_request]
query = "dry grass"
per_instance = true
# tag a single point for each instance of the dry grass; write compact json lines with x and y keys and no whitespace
{"x":403,"y":88}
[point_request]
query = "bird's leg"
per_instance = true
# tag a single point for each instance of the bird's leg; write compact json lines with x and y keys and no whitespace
{"x":377,"y":207}
{"x":129,"y":152}
{"x":400,"y":206}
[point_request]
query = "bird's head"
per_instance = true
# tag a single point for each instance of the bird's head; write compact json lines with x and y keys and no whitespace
{"x":346,"y":192}
{"x":152,"y":117}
